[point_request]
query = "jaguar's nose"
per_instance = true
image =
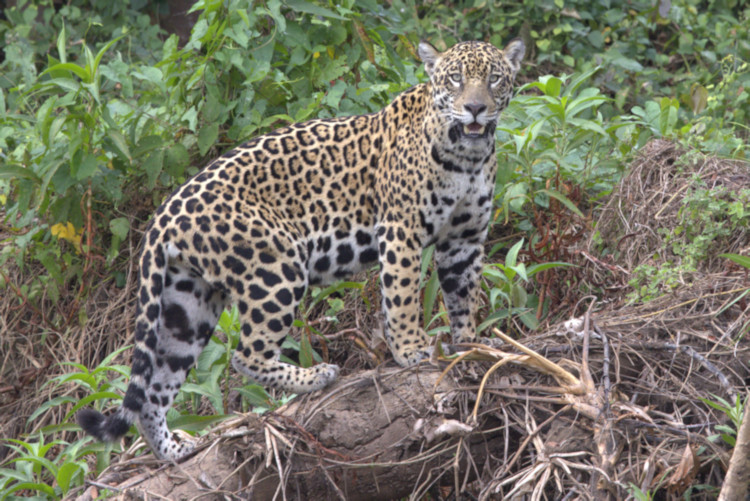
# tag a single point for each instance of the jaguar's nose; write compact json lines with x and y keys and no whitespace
{"x":475,"y":108}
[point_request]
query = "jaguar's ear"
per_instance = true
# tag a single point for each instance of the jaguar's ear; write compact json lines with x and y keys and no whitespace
{"x":514,"y":52}
{"x":429,"y":56}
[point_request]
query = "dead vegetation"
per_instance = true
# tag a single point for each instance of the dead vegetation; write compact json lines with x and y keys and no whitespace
{"x":612,"y":403}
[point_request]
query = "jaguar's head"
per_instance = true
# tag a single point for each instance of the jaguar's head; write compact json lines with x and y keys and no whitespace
{"x":472,"y":82}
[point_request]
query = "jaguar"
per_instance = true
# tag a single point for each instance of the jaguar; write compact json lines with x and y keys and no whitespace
{"x":313,"y":203}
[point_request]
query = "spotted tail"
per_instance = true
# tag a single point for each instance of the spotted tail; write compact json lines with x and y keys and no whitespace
{"x":153,"y":267}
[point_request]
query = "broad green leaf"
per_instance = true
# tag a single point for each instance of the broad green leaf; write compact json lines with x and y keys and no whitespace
{"x":106,"y":363}
{"x":49,"y":404}
{"x":518,"y":296}
{"x":512,"y":256}
{"x":256,"y":395}
{"x":153,"y":166}
{"x":120,"y":227}
{"x":120,"y":143}
{"x":493,"y":318}
{"x":208,"y":389}
{"x":562,"y":199}
{"x":552,"y":87}
{"x":538,"y":268}
{"x":177,"y":159}
{"x":85,"y":168}
{"x":147,"y":144}
{"x":99,"y":395}
{"x":588,"y":125}
{"x":72,"y":67}
{"x":207,"y":137}
{"x":102,"y":51}
{"x":16,"y":171}
{"x":65,"y":474}
{"x":578,"y":79}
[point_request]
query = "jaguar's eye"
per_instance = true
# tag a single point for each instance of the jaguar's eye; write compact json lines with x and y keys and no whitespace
{"x":494,"y":79}
{"x":455,"y":77}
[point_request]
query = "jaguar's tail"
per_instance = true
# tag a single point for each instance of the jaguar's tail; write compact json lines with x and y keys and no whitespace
{"x":153,"y":267}
{"x":105,"y":428}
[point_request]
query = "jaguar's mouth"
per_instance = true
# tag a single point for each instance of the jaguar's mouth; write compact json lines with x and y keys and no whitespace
{"x":473,"y":130}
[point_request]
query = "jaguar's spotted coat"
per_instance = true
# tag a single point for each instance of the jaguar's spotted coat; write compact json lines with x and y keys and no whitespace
{"x":312,"y":203}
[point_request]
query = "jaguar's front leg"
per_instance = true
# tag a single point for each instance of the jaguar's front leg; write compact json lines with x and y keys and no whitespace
{"x":400,"y":256}
{"x":459,"y":264}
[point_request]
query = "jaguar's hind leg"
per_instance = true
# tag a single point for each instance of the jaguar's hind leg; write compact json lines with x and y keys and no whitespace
{"x":271,"y":296}
{"x":190,"y":311}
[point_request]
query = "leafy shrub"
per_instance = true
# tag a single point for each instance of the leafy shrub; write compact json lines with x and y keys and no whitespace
{"x":84,"y":135}
{"x":708,"y":219}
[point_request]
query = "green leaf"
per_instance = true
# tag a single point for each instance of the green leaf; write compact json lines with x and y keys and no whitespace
{"x":120,"y":143}
{"x":196,"y":423}
{"x":562,"y":199}
{"x":147,"y":144}
{"x":741,"y":260}
{"x":493,"y":318}
{"x":310,"y":8}
{"x":72,"y":67}
{"x":61,"y":45}
{"x":698,"y":98}
{"x":208,"y":389}
{"x":48,"y":404}
{"x":430,"y":297}
{"x":65,"y":474}
{"x":102,"y":51}
{"x":207,"y":137}
{"x":538,"y":268}
{"x":588,"y":125}
{"x":99,"y":395}
{"x":177,"y":159}
{"x":552,"y":87}
{"x":512,"y":256}
{"x":152,"y":167}
{"x":305,"y":351}
{"x":15,"y":171}
{"x":256,"y":395}
{"x":518,"y":296}
{"x":32,"y":486}
{"x":85,"y":167}
{"x":120,"y":227}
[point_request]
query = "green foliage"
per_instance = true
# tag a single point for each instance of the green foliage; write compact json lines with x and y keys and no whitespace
{"x":638,"y":494}
{"x":504,"y":285}
{"x":558,"y":136}
{"x":329,"y":298}
{"x":733,"y":411}
{"x":209,"y":381}
{"x":31,"y":468}
{"x":433,"y":322}
{"x":34,"y":468}
{"x":98,"y":122}
{"x":708,"y":219}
